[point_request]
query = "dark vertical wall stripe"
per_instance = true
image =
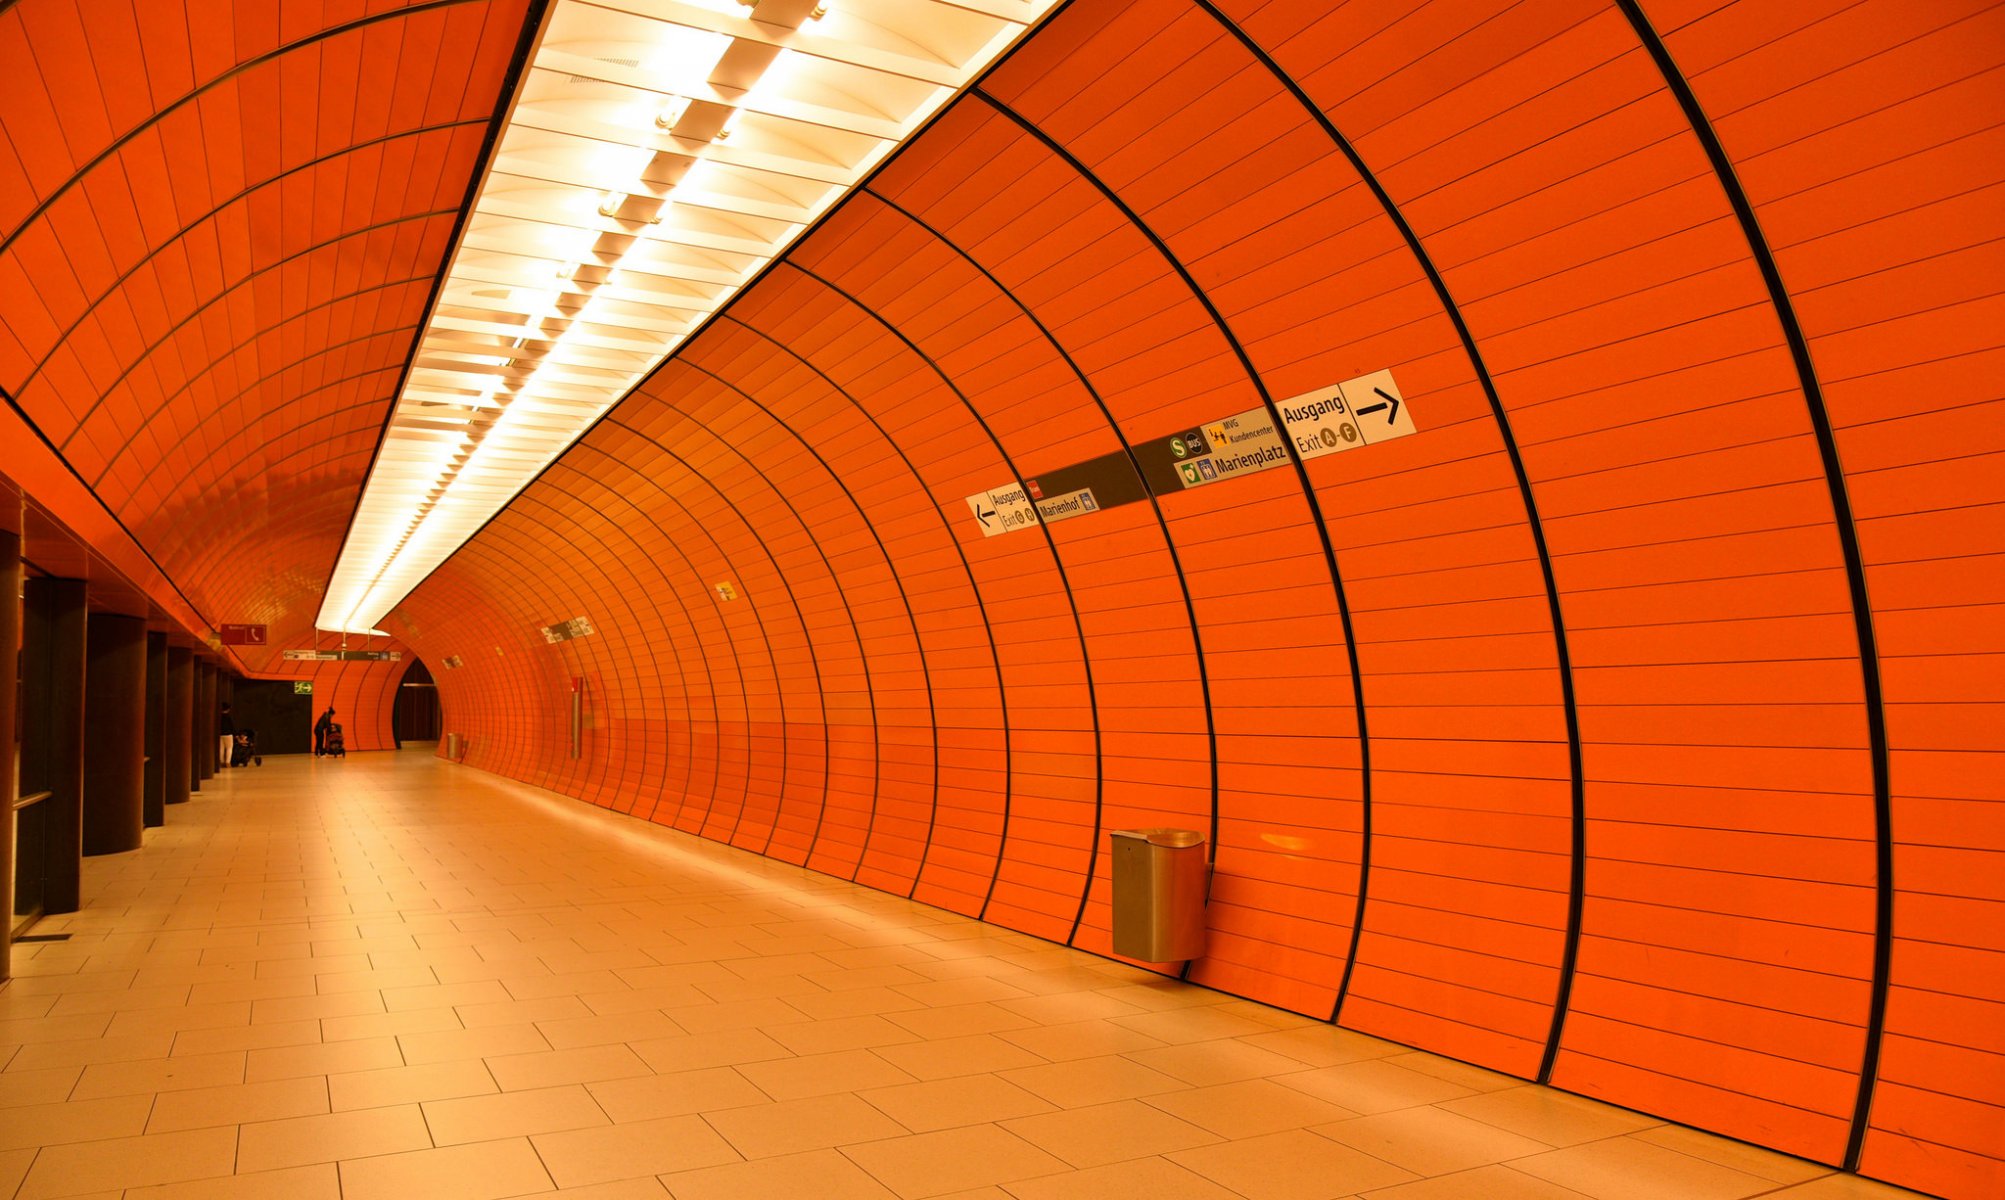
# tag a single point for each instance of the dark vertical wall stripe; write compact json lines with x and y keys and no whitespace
{"x":1577,"y":885}
{"x":1057,"y":562}
{"x":1176,"y":563}
{"x":1308,"y":493}
{"x":1848,"y":540}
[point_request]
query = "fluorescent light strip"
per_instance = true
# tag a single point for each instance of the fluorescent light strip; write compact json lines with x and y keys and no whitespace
{"x":658,"y":154}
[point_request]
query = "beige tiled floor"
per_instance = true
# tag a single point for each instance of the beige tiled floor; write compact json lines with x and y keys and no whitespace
{"x":390,"y":977}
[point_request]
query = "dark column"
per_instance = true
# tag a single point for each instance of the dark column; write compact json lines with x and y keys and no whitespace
{"x":114,"y":734}
{"x":10,"y":638}
{"x":153,"y":785}
{"x":205,"y":720}
{"x":52,"y":730}
{"x":178,"y":735}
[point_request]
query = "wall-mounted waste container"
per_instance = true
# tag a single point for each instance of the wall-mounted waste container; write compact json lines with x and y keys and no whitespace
{"x":453,"y":750}
{"x":1159,"y":884}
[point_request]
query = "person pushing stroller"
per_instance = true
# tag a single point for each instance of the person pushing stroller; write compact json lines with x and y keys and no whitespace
{"x":327,"y":737}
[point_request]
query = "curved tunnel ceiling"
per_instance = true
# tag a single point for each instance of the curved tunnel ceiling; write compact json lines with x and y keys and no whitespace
{"x":1633,"y":723}
{"x":220,"y":228}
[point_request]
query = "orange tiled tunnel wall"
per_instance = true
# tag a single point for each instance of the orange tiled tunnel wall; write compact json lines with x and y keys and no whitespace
{"x":1634,"y":725}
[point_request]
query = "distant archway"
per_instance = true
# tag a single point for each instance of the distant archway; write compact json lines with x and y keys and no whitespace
{"x":415,"y":716}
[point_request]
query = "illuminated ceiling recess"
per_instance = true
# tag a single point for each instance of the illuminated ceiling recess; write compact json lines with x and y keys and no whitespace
{"x":657,"y":155}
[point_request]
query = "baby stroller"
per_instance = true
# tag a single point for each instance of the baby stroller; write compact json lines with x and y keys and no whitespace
{"x":244,"y":753}
{"x":336,"y":746}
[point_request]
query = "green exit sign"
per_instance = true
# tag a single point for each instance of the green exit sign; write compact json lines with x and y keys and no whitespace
{"x":302,"y":687}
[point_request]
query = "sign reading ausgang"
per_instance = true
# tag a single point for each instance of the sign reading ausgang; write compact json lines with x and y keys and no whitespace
{"x":1357,"y":412}
{"x":1003,"y":510}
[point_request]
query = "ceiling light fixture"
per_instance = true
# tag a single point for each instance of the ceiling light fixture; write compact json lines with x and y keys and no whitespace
{"x":657,"y":155}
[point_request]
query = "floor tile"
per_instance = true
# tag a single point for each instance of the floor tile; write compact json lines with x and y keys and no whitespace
{"x":476,"y":1171}
{"x":121,"y":1048}
{"x":1296,"y":1165}
{"x":405,"y":1085}
{"x":791,"y":1126}
{"x":1202,"y":1064}
{"x":1059,"y":1008}
{"x":238,"y":1104}
{"x":270,"y":1145}
{"x":1840,"y":1187}
{"x":1372,"y":1086}
{"x":550,"y":1068}
{"x":1078,"y":1039}
{"x":451,"y":1045}
{"x":76,"y":1121}
{"x":1323,"y":1045}
{"x":317,"y":1182}
{"x":114,"y":1163}
{"x":388,"y":1024}
{"x":970,"y":1055}
{"x":1429,"y":1140}
{"x":1091,"y":1081}
{"x":50,"y":1085}
{"x":1488,"y":1183}
{"x":961,"y":1100}
{"x":512,"y":1114}
{"x":1553,"y":1117}
{"x":676,"y":1093}
{"x":822,"y":1074}
{"x":958,"y":1020}
{"x":1617,"y":1168}
{"x":821,"y":1174}
{"x":606,"y":1030}
{"x":647,"y":1187}
{"x":1140,"y":1179}
{"x":617,"y":1152}
{"x":146,"y":1076}
{"x":321,"y":1058}
{"x":1177,"y":1026}
{"x":1728,"y":1153}
{"x":245,"y":1037}
{"x":826,"y":1037}
{"x":952,"y":1160}
{"x":1108,"y":1133}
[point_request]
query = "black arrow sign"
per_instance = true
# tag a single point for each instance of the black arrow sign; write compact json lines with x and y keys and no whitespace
{"x":1372,"y":408}
{"x":983,"y":517}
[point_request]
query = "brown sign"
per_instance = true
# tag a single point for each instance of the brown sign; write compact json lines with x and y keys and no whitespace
{"x":242,"y":635}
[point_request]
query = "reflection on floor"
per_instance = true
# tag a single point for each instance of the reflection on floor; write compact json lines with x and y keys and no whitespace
{"x":392,"y":977}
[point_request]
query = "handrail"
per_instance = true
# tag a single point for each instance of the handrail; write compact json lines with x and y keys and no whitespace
{"x":31,"y":799}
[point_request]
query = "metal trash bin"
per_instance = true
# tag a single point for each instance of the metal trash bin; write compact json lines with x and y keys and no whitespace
{"x":452,"y":747}
{"x":1159,"y":885}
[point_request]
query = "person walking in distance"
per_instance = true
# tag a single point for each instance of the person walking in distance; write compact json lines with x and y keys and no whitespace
{"x":320,"y":728}
{"x":226,"y":734}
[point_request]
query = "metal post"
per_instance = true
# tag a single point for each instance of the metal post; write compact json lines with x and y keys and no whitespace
{"x":577,"y":716}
